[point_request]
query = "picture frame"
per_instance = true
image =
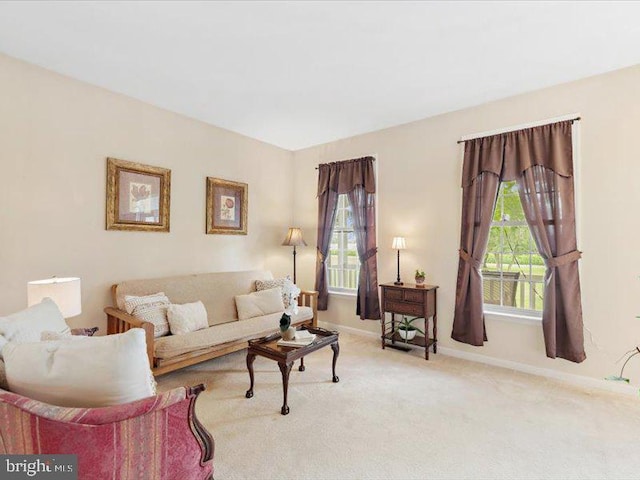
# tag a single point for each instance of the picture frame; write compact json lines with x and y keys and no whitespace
{"x":227,"y":207}
{"x":138,"y":197}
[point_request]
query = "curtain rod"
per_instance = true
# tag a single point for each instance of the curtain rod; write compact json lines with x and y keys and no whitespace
{"x":374,"y":159}
{"x":576,"y":119}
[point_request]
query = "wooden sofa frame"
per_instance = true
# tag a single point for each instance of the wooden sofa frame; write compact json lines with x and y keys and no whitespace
{"x":119,"y":322}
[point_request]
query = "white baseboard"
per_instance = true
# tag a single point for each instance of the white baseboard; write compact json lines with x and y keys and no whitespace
{"x":569,"y":378}
{"x":355,"y":331}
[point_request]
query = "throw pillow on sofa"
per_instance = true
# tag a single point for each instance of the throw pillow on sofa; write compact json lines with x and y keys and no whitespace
{"x":85,"y":372}
{"x":150,"y":308}
{"x":285,"y":284}
{"x":80,"y":332}
{"x":186,"y":318}
{"x":259,"y":303}
{"x":28,"y":325}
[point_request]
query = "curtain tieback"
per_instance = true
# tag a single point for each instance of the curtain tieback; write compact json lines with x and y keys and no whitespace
{"x":565,"y":259}
{"x":464,"y":255}
{"x":368,"y":254}
{"x":320,"y":255}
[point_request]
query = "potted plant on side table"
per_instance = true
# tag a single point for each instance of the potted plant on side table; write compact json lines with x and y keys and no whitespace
{"x":420,"y":276}
{"x":407,"y":330}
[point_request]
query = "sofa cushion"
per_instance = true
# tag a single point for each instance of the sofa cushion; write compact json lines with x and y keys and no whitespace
{"x":216,"y":290}
{"x":261,"y":303}
{"x":174,"y":345}
{"x":85,"y":372}
{"x":187,"y":318}
{"x":28,"y":325}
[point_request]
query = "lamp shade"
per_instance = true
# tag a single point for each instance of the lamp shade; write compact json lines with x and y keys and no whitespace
{"x":65,"y":292}
{"x":399,"y":243}
{"x":294,"y":238}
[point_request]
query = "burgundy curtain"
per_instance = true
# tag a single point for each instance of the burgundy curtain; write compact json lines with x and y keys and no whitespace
{"x":478,"y":202}
{"x":327,"y":203}
{"x":355,"y":178}
{"x":363,"y":207}
{"x":548,"y":203}
{"x":540,"y":159}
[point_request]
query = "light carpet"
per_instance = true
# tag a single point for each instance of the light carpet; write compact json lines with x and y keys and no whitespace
{"x":394,"y":415}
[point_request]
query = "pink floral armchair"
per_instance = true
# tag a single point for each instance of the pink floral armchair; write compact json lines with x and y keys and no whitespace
{"x":157,"y":438}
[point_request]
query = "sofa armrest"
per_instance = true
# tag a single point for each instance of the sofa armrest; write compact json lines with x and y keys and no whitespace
{"x":119,"y":322}
{"x":309,"y":298}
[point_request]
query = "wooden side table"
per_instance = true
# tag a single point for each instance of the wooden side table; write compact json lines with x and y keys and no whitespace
{"x":416,"y":301}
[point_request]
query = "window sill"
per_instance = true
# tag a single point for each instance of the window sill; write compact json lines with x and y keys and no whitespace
{"x":343,"y":294}
{"x":512,"y":317}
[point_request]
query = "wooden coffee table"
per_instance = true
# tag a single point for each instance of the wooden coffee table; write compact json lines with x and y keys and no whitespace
{"x":285,"y":356}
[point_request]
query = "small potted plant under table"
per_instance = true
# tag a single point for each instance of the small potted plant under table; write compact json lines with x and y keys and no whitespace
{"x":407,"y":330}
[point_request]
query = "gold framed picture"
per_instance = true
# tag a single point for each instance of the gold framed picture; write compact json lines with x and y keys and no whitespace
{"x":138,"y":196}
{"x":227,"y":206}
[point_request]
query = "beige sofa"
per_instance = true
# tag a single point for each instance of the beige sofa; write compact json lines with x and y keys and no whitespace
{"x":225,"y":334}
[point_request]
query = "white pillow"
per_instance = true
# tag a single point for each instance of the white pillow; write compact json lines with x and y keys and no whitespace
{"x":150,"y":308}
{"x":28,"y":325}
{"x":48,"y":336}
{"x":186,"y":318}
{"x":260,"y":303}
{"x":85,"y":372}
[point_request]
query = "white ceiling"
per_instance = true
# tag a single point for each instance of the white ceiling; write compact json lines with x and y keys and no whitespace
{"x":296,"y":74}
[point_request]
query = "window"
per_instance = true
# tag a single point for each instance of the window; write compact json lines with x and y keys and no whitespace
{"x":343,"y":265}
{"x":513,"y":270}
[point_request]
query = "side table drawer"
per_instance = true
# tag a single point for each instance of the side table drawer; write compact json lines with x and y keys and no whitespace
{"x":404,"y":308}
{"x":392,"y":294}
{"x":413,"y":296}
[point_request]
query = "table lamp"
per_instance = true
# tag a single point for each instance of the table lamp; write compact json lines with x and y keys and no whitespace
{"x":65,"y":292}
{"x":398,"y":244}
{"x":294,"y":239}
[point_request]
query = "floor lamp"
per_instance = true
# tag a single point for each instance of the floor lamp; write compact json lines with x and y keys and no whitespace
{"x":398,"y":244}
{"x":294,"y":239}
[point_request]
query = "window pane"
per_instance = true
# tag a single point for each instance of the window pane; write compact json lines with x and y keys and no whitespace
{"x":513,"y":271}
{"x":344,"y":265}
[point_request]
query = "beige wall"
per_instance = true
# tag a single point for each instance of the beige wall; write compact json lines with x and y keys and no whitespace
{"x":55,"y":135}
{"x":419,"y":171}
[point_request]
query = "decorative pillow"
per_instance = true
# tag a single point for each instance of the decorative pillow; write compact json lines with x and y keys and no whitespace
{"x":84,"y":331}
{"x":86,"y":372}
{"x":48,"y":335}
{"x":284,"y":283}
{"x":150,"y":308}
{"x":28,"y":325}
{"x":186,"y":318}
{"x":259,"y":303}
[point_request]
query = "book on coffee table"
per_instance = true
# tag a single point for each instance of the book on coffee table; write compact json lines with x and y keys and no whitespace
{"x":300,"y":340}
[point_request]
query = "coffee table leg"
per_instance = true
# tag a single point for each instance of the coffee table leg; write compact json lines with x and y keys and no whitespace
{"x":250,"y":358}
{"x":285,"y":368}
{"x":336,"y":350}
{"x":301,"y":367}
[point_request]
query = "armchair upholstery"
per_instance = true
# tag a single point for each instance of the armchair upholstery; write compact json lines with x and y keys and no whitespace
{"x":153,"y":438}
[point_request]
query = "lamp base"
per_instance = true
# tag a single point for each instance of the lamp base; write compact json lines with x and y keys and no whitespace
{"x":398,"y":283}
